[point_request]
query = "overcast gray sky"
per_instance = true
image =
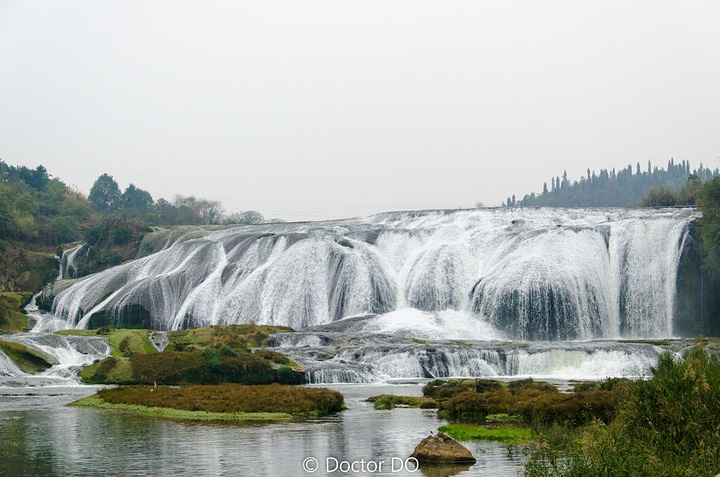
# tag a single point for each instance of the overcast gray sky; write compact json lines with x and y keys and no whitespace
{"x":322,"y":109}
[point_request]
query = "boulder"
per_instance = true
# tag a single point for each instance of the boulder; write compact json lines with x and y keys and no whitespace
{"x":442,"y":449}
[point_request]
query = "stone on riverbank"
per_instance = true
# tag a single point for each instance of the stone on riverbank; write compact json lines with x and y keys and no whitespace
{"x":441,"y":449}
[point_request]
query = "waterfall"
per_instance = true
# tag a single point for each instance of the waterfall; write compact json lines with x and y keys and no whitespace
{"x":68,"y":354}
{"x":331,"y":357}
{"x":529,"y":274}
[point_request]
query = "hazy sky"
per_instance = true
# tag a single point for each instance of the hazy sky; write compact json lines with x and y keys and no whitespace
{"x":322,"y":109}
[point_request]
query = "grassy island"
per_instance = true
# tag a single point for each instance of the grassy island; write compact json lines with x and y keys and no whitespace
{"x":223,"y":402}
{"x":214,"y":355}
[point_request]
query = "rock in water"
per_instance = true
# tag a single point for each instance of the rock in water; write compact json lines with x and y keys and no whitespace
{"x":442,"y":449}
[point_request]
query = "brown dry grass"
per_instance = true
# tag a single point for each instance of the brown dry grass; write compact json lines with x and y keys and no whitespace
{"x":229,"y":398}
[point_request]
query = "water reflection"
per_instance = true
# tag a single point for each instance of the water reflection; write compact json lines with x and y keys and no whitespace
{"x":40,"y":436}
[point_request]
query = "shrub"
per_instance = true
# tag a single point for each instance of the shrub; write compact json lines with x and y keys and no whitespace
{"x":285,"y":375}
{"x":122,"y":235}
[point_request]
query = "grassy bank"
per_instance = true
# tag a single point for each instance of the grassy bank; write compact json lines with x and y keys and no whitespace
{"x":219,"y":402}
{"x":232,"y":336}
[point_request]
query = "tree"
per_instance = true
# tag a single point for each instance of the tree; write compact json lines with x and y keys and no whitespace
{"x":710,"y":226}
{"x":691,"y":191}
{"x":137,"y":200}
{"x":250,"y":217}
{"x":105,"y":195}
{"x":36,"y":178}
{"x":660,"y":197}
{"x":205,"y":211}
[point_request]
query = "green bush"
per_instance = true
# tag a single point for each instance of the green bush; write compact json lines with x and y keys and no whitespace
{"x":122,"y":235}
{"x":285,"y":375}
{"x":228,"y":351}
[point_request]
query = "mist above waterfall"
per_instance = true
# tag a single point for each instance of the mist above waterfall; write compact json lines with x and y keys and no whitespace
{"x":514,"y":273}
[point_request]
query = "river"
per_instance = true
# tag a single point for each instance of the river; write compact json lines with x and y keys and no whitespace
{"x":41,"y":436}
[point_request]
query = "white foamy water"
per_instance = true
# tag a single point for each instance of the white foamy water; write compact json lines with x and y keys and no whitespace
{"x":447,"y":324}
{"x":544,"y":274}
{"x":67,"y":354}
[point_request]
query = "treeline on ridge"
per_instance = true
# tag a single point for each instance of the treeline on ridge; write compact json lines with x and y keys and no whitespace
{"x":38,"y":209}
{"x":617,"y":188}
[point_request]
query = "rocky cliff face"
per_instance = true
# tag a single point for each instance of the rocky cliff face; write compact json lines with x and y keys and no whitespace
{"x":24,"y":270}
{"x":111,"y":243}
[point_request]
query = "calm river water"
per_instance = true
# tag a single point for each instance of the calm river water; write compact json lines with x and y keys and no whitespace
{"x":40,"y":436}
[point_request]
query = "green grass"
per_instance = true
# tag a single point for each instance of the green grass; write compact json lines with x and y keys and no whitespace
{"x":508,"y":435}
{"x":169,"y":413}
{"x":503,"y":417}
{"x":113,"y":370}
{"x":28,"y":360}
{"x":233,"y":336}
{"x":124,"y":342}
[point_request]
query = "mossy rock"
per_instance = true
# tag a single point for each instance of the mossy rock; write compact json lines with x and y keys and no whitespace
{"x":28,"y":360}
{"x":11,"y":316}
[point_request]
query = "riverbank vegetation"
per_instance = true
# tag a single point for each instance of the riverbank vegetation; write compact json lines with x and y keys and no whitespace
{"x":525,"y":400}
{"x":665,"y":426}
{"x":219,"y":402}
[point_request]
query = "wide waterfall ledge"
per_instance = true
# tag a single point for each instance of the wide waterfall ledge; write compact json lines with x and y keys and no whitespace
{"x":521,"y":274}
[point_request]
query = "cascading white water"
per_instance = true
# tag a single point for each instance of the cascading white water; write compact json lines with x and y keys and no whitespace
{"x":8,"y":368}
{"x":367,"y":360}
{"x":67,"y":262}
{"x":525,"y":273}
{"x":67,"y":354}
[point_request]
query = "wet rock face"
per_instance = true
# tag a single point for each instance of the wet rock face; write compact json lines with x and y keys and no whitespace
{"x":442,"y":449}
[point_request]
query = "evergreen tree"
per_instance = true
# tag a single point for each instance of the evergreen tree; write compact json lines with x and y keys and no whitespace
{"x":136,"y":200}
{"x":105,"y":195}
{"x":623,"y":188}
